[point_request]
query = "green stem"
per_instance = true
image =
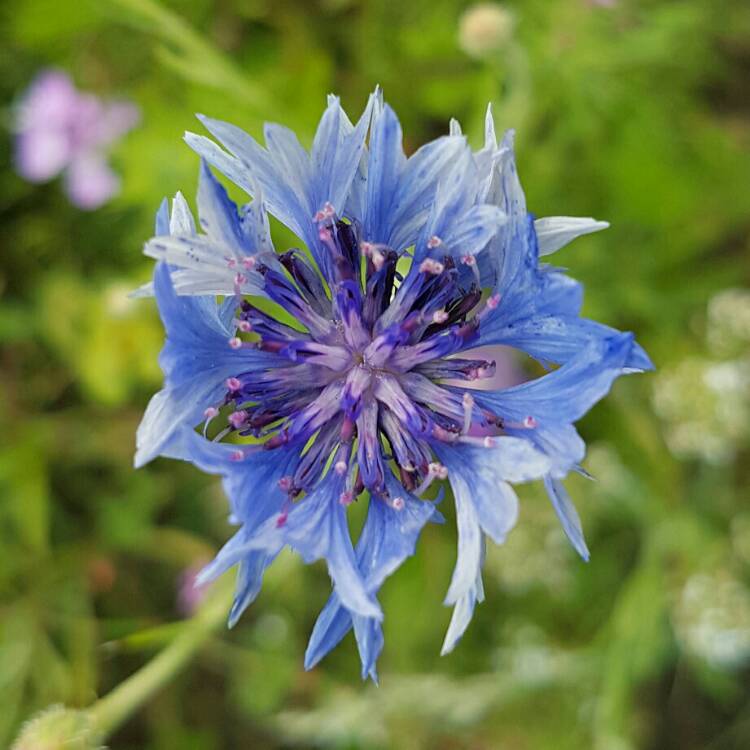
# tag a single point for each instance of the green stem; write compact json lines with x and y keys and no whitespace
{"x":112,"y":710}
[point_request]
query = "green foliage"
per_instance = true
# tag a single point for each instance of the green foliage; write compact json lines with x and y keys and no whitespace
{"x":637,"y":113}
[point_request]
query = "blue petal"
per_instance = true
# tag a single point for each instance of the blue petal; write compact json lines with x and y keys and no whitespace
{"x":566,"y":394}
{"x":198,"y":329}
{"x":511,"y":261}
{"x":539,"y":307}
{"x":416,"y":189}
{"x":553,"y":338}
{"x":559,"y":441}
{"x":249,"y":581}
{"x":485,"y":504}
{"x":333,"y":623}
{"x":559,"y":294}
{"x":388,"y":537}
{"x":255,"y":227}
{"x":196,"y":360}
{"x":199,"y":263}
{"x":252,"y":487}
{"x":218,"y":215}
{"x":484,"y":500}
{"x":369,"y":635}
{"x":639,"y":361}
{"x":250,"y":484}
{"x":291,"y":167}
{"x":336,"y":153}
{"x":334,"y":544}
{"x":385,"y":166}
{"x":251,"y":166}
{"x":354,"y":208}
{"x":170,"y":408}
{"x":462,"y":227}
{"x":161,"y":224}
{"x":506,"y":192}
{"x":316,"y":528}
{"x":567,"y":514}
{"x":295,"y":186}
{"x":454,"y":194}
{"x":472,"y":231}
{"x":486,"y":159}
{"x":517,"y":261}
{"x":229,"y":165}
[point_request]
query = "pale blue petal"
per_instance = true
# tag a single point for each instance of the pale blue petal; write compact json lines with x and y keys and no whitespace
{"x":255,"y":227}
{"x":354,"y":208}
{"x":485,"y":504}
{"x":295,"y":186}
{"x":554,"y":232}
{"x":341,"y":561}
{"x":454,"y":196}
{"x":291,"y":165}
{"x":229,"y":165}
{"x":369,"y":635}
{"x":198,"y":330}
{"x":560,"y":295}
{"x":161,"y":227}
{"x":250,"y":484}
{"x":252,"y":487}
{"x":203,"y":265}
{"x":470,"y":540}
{"x":480,"y":476}
{"x":567,"y":514}
{"x":181,"y":220}
{"x":559,"y":441}
{"x":463,"y":611}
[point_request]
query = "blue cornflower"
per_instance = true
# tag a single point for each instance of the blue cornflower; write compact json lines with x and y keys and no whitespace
{"x":365,"y":385}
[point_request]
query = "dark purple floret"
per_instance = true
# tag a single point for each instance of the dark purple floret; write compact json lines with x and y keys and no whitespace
{"x":364,"y":368}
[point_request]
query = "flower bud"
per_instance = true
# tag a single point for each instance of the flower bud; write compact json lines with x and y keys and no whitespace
{"x":485,"y":28}
{"x":58,"y":728}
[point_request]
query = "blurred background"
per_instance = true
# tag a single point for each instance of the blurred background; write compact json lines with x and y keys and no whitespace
{"x":634,"y":111}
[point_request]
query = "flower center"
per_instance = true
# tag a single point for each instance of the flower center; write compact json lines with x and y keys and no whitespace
{"x":361,"y":386}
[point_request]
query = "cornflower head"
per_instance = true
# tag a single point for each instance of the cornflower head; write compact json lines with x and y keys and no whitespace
{"x":318,"y":377}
